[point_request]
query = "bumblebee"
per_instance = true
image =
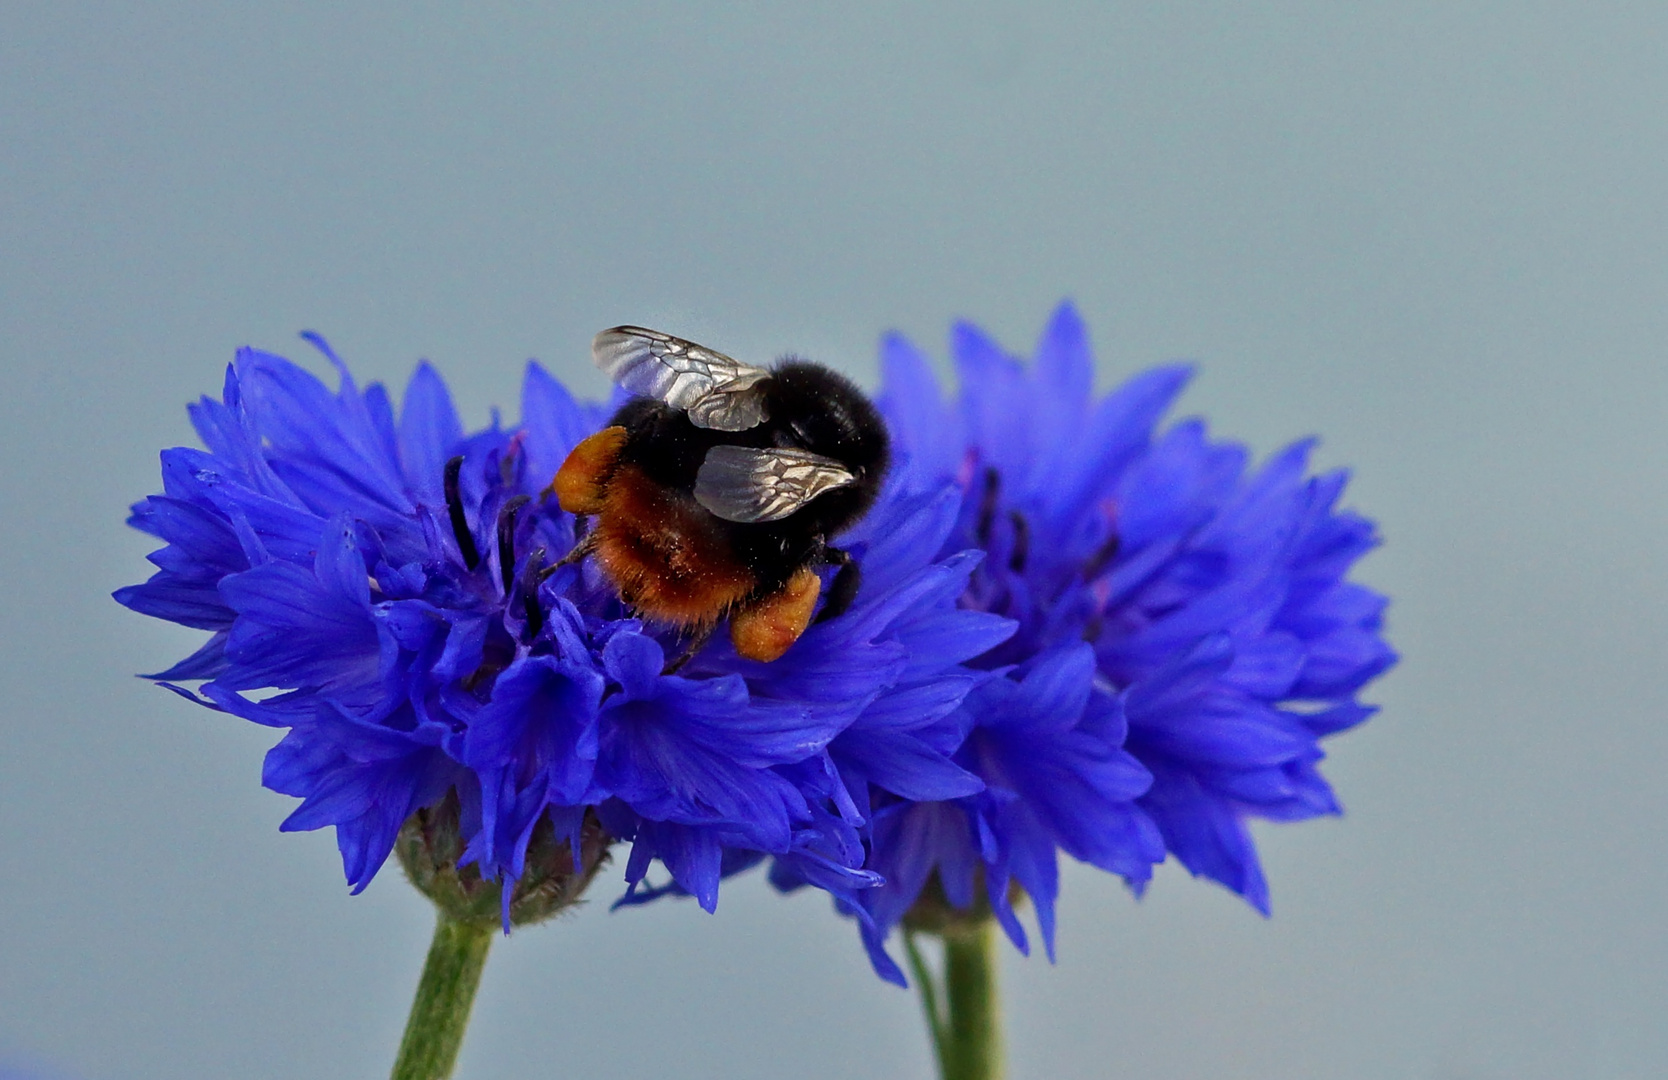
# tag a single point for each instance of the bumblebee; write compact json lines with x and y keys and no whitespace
{"x":715,"y":491}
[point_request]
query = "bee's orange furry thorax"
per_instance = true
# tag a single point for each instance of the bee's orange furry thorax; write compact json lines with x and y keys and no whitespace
{"x":665,"y":554}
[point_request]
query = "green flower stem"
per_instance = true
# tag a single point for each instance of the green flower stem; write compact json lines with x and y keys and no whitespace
{"x":440,"y":1013}
{"x":973,"y":1026}
{"x":967,"y":1031}
{"x":928,"y":986}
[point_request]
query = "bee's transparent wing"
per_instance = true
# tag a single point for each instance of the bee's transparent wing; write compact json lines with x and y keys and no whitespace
{"x":716,"y":391}
{"x":739,"y":483}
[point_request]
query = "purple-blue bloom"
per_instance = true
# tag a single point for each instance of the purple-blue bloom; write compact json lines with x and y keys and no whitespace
{"x":1186,"y":636}
{"x":384,"y":586}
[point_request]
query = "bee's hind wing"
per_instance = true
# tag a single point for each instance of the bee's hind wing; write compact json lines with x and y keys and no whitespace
{"x":716,"y":391}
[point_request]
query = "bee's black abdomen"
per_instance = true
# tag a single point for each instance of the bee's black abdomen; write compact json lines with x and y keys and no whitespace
{"x":820,"y":410}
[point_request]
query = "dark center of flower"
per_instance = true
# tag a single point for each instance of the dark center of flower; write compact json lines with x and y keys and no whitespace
{"x":531,"y":575}
{"x":506,"y":540}
{"x":454,"y":508}
{"x":1102,"y":557}
{"x":1022,"y":542}
{"x":517,"y":589}
{"x":987,"y":505}
{"x":1054,"y":597}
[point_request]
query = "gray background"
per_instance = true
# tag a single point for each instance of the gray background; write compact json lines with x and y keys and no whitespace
{"x":1433,"y":233}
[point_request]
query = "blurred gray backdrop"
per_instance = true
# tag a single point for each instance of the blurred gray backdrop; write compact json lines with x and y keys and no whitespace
{"x":1436,"y":234}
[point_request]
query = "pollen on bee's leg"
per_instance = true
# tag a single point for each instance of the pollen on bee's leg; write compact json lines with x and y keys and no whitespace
{"x":582,"y":480}
{"x":765,"y":630}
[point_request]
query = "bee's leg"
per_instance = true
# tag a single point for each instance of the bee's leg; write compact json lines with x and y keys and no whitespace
{"x":577,"y":552}
{"x":765,"y":628}
{"x":694,"y":644}
{"x":843,"y":589}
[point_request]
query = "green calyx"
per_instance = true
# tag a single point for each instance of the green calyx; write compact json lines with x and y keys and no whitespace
{"x":431,"y":843}
{"x":933,"y":914}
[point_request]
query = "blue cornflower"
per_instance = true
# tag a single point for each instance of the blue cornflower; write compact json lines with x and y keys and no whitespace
{"x":387,"y":588}
{"x":1185,"y":637}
